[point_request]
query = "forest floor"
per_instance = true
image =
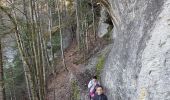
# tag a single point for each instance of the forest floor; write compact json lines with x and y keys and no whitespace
{"x":59,"y":85}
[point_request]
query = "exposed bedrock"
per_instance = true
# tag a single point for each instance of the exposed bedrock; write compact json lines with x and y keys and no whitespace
{"x":138,"y":66}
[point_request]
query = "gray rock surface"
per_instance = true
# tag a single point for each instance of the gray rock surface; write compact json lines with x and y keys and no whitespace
{"x":103,"y":26}
{"x":138,"y":66}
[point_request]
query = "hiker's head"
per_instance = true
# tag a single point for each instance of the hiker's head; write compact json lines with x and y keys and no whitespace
{"x":99,"y":90}
{"x":95,"y":77}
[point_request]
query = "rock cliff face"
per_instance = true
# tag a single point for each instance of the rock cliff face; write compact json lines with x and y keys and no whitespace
{"x":138,"y":66}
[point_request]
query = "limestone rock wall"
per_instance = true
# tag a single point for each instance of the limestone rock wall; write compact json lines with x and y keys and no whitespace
{"x":138,"y":66}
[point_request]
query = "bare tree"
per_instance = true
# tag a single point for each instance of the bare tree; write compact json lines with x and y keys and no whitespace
{"x":61,"y":37}
{"x":49,"y":29}
{"x":77,"y":30}
{"x":94,"y":30}
{"x":2,"y":88}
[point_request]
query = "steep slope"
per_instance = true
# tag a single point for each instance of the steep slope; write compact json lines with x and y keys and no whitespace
{"x":138,"y":67}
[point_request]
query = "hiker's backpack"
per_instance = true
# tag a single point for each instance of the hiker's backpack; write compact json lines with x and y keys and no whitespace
{"x":92,"y":93}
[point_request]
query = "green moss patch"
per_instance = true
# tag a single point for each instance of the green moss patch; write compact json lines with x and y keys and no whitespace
{"x":100,"y":65}
{"x":75,"y":91}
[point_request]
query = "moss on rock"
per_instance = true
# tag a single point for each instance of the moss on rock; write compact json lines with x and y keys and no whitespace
{"x":75,"y":90}
{"x":100,"y":65}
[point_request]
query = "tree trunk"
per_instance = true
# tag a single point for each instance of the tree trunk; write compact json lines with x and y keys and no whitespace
{"x":51,"y":44}
{"x":61,"y":37}
{"x":78,"y":25}
{"x":2,"y":88}
{"x":26,"y":70}
{"x":94,"y":29}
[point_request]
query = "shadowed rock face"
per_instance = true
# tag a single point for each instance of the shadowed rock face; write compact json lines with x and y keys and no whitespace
{"x":138,"y":66}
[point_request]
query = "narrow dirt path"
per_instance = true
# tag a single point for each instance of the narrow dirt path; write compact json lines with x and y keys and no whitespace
{"x":58,"y":86}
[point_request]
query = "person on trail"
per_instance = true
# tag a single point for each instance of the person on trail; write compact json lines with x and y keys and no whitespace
{"x":100,"y":94}
{"x":92,"y":86}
